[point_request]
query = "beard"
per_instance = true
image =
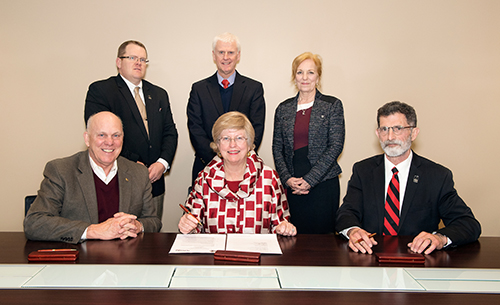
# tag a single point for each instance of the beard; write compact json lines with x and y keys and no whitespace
{"x":396,"y":151}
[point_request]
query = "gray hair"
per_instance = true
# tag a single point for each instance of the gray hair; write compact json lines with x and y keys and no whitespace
{"x":398,"y":107}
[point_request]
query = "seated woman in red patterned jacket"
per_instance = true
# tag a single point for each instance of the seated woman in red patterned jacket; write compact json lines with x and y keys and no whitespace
{"x":236,"y":192}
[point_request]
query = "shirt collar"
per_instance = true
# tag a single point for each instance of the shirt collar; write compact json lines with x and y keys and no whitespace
{"x":99,"y":171}
{"x":403,"y":166}
{"x":130,"y":85}
{"x":230,"y":79}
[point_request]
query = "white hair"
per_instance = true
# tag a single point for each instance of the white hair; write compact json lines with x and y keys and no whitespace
{"x":226,"y":37}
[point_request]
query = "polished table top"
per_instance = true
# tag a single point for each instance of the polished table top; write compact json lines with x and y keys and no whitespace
{"x":302,"y":250}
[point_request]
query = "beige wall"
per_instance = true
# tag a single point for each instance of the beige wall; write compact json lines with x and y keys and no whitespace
{"x":442,"y":57}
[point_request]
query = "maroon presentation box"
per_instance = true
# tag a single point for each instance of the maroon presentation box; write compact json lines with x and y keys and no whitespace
{"x":237,"y":256}
{"x":400,"y":258}
{"x":57,"y":255}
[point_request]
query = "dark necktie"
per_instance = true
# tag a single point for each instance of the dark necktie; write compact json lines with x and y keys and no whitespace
{"x":391,"y":217}
{"x":225,"y":83}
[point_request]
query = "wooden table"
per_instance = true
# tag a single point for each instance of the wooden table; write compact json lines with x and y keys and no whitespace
{"x":302,"y":250}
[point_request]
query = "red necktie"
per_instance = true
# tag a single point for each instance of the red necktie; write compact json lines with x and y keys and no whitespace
{"x":225,"y":83}
{"x":391,"y":217}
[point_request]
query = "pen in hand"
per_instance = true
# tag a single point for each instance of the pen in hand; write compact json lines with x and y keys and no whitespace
{"x":369,"y":236}
{"x":187,"y":211}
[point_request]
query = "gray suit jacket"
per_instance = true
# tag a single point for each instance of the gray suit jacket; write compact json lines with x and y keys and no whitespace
{"x":66,"y":203}
{"x":326,"y":138}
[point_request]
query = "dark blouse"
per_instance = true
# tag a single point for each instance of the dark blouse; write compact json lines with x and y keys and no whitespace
{"x":301,"y":129}
{"x":233,"y":185}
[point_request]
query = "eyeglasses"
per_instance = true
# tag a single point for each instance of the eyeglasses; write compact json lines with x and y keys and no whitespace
{"x":397,"y":130}
{"x":227,"y":140}
{"x":136,"y":58}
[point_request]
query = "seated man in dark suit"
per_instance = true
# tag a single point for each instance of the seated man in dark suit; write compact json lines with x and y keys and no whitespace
{"x":224,"y":91}
{"x":93,"y":194}
{"x":402,"y":193}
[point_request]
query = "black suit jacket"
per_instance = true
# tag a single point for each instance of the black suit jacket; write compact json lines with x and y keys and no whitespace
{"x":113,"y":95}
{"x":205,"y":106}
{"x":430,"y":196}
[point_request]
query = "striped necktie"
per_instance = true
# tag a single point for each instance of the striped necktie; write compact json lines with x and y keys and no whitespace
{"x":391,"y":216}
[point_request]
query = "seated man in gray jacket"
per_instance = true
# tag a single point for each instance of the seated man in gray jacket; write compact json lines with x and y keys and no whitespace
{"x":93,"y":194}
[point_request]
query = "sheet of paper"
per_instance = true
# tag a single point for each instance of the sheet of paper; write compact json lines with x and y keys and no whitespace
{"x":263,"y":243}
{"x":198,"y":243}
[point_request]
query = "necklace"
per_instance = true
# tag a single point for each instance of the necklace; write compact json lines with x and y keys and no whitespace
{"x":299,"y":102}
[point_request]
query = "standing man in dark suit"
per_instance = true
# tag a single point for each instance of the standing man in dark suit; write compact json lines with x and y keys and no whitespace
{"x":417,"y":192}
{"x":93,"y":194}
{"x":150,"y":133}
{"x":225,"y":91}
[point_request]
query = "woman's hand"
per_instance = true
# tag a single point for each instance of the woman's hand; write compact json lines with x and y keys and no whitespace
{"x":286,"y":229}
{"x":187,"y":224}
{"x":299,"y":186}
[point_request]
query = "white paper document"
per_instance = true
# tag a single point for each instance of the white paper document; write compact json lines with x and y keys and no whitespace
{"x":263,"y":243}
{"x":198,"y":243}
{"x":209,"y":243}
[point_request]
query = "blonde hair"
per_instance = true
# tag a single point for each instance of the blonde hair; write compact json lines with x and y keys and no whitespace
{"x":232,"y":120}
{"x":300,"y":59}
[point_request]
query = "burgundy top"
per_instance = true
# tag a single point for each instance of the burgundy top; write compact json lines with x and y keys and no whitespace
{"x":108,"y":197}
{"x":301,"y":130}
{"x":233,"y":185}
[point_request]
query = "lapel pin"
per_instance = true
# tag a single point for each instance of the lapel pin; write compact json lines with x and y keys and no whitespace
{"x":415,"y":179}
{"x":149,"y":96}
{"x":126,"y":179}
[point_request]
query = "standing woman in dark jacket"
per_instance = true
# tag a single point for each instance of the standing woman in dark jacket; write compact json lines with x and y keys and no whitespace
{"x":308,"y":138}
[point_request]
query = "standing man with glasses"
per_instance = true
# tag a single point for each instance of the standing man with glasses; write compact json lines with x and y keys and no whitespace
{"x":150,"y":132}
{"x":402,"y":193}
{"x":224,"y":91}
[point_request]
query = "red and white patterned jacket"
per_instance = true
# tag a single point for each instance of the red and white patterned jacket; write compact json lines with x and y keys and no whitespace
{"x":258,"y":207}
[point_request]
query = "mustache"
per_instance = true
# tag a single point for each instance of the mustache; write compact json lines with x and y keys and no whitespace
{"x":397,"y":142}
